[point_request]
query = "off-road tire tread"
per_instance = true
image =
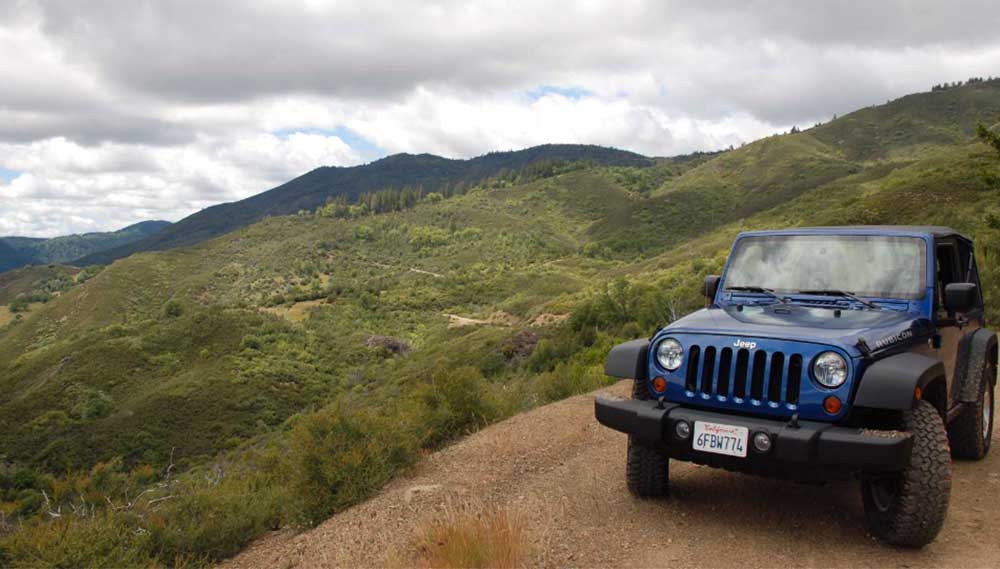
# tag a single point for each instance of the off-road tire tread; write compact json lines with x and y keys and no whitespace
{"x":919,"y":511}
{"x":647,"y":470}
{"x":965,"y":432}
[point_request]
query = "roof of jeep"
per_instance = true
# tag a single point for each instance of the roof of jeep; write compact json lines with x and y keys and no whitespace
{"x":933,"y":230}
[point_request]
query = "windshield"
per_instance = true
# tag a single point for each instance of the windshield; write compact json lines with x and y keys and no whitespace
{"x":865,"y":265}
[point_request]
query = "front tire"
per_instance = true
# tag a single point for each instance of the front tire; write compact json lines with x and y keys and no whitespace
{"x":909,"y":508}
{"x":647,"y":470}
{"x":971,"y":433}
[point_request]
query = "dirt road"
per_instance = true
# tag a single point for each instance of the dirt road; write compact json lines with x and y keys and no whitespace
{"x":565,"y":474}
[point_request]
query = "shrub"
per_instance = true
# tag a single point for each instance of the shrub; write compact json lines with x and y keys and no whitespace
{"x":251,"y":342}
{"x":549,"y":352}
{"x":596,"y":251}
{"x":202,"y":519}
{"x":19,"y":304}
{"x":455,"y":402}
{"x":364,"y":233}
{"x":88,"y":403}
{"x":107,"y":540}
{"x":173,"y":309}
{"x":569,"y":379}
{"x":338,"y":458}
{"x":426,"y":237}
{"x":211,"y":520}
{"x":492,"y":364}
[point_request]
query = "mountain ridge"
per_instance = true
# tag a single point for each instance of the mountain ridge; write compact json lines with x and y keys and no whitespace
{"x":312,"y":189}
{"x":17,"y":251}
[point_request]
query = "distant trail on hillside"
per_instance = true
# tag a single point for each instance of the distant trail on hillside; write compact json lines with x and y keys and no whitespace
{"x":565,"y":475}
{"x":410,"y":269}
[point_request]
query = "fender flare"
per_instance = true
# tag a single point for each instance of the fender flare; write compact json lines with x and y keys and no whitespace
{"x":973,"y":350}
{"x":891,"y":383}
{"x":628,"y":360}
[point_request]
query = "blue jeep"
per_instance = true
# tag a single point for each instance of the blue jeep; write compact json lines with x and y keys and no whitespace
{"x":824,"y":353}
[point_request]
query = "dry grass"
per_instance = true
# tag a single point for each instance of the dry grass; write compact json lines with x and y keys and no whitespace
{"x":466,"y":539}
{"x":297,"y":312}
{"x":5,"y":316}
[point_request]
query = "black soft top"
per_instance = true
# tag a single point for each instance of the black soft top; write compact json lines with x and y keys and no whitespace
{"x":935,"y":230}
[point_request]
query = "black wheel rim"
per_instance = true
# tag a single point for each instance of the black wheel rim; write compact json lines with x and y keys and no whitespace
{"x":883,"y":492}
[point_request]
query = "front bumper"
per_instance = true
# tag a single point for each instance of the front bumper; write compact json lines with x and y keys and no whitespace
{"x":809,"y":449}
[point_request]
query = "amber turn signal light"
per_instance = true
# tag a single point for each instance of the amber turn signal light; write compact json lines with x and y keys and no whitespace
{"x":832,"y":405}
{"x":659,"y":384}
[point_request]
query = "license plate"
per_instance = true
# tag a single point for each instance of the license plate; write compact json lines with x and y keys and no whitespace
{"x":717,"y":438}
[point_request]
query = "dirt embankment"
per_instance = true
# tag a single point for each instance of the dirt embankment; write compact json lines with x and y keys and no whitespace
{"x":564,"y":474}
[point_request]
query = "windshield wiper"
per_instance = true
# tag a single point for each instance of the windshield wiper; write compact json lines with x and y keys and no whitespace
{"x":843,"y":293}
{"x":760,"y":289}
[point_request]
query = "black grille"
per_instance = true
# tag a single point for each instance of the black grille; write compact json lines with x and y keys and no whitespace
{"x":694,"y":358}
{"x":774,"y":377}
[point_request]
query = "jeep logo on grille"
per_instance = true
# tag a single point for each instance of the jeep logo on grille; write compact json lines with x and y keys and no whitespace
{"x":744,"y":344}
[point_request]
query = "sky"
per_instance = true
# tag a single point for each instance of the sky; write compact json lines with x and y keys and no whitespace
{"x":119,"y":111}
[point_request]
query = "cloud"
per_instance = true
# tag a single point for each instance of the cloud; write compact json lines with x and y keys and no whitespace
{"x":155,"y":109}
{"x":65,"y":187}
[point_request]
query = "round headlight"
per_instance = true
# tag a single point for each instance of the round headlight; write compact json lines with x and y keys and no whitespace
{"x":670,"y":354}
{"x":830,"y":369}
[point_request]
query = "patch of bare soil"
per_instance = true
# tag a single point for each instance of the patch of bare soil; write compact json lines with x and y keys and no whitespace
{"x":498,"y":318}
{"x":549,"y":320}
{"x":565,"y":475}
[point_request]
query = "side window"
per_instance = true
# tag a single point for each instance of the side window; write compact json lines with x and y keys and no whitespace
{"x":968,"y":272}
{"x":947,"y":272}
{"x":955,"y":264}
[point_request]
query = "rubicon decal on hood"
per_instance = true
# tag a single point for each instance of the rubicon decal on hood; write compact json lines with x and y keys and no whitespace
{"x":917,"y":328}
{"x":891,"y":339}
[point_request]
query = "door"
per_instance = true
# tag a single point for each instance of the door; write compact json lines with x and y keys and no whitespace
{"x":955,"y":263}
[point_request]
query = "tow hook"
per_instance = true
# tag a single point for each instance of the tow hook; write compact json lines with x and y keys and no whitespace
{"x":793,"y":423}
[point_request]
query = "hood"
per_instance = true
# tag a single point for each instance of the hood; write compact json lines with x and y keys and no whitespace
{"x":878,"y":328}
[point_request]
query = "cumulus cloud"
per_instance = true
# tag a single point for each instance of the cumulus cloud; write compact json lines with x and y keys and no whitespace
{"x":65,"y":187}
{"x":113,"y":111}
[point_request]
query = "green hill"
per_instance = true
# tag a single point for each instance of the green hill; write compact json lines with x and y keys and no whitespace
{"x":11,"y":258}
{"x":272,"y":375}
{"x":312,"y":190}
{"x":20,"y":251}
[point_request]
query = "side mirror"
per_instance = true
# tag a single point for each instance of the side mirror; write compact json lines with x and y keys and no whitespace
{"x":711,"y":286}
{"x":960,"y":297}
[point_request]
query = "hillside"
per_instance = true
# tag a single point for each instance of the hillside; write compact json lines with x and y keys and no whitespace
{"x":11,"y":258}
{"x":283,"y":371}
{"x":311,"y":190}
{"x":20,"y":251}
{"x":558,"y":478}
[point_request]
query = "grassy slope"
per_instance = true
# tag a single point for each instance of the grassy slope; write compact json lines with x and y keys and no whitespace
{"x":186,"y":382}
{"x":172,"y":351}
